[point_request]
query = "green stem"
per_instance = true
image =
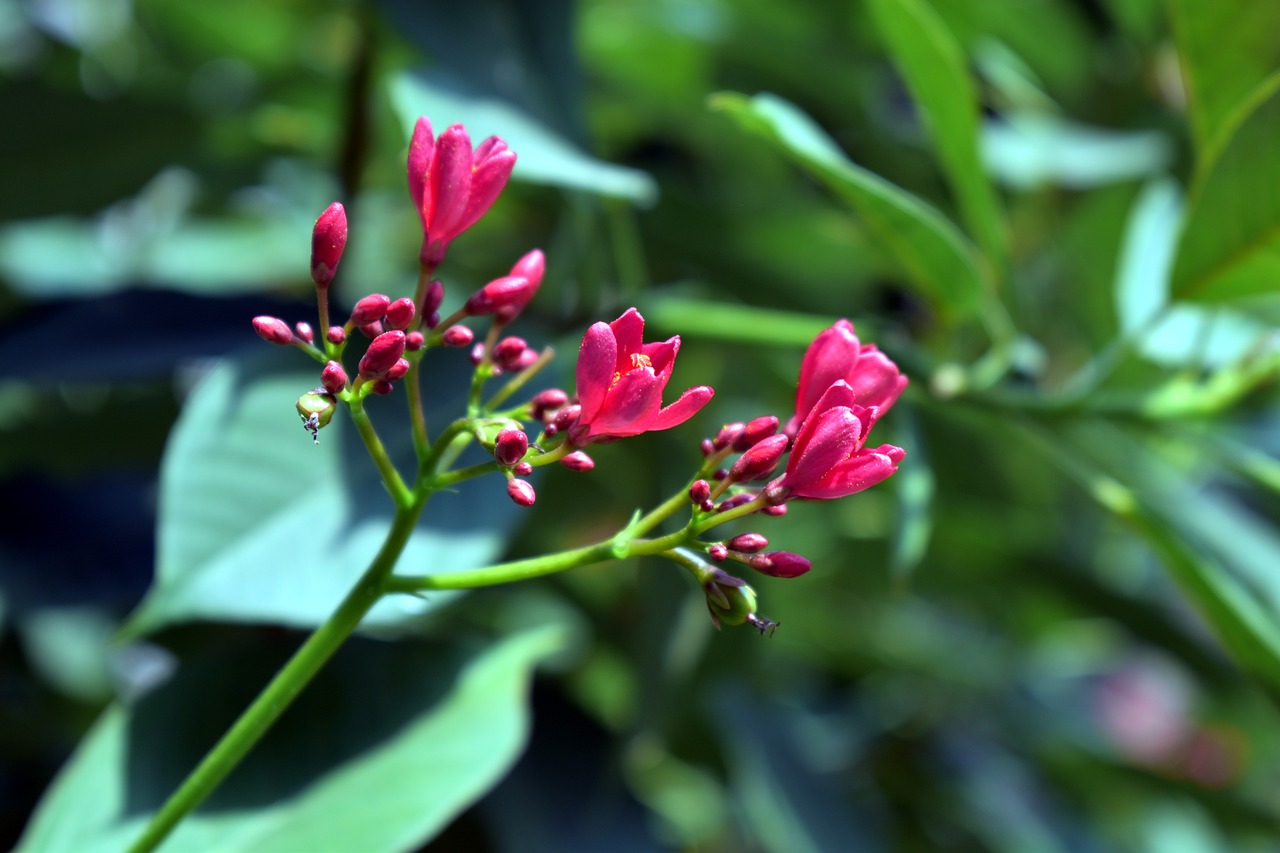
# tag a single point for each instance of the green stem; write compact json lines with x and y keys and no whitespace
{"x":417,"y":415}
{"x":284,"y":688}
{"x":390,"y":476}
{"x":450,"y":478}
{"x":517,"y":570}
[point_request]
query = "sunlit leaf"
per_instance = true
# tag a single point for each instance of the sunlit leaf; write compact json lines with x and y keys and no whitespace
{"x":1026,"y":150}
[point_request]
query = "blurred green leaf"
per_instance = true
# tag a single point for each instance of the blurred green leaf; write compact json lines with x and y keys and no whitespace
{"x":936,"y":73}
{"x":1227,"y":48}
{"x":69,"y":647}
{"x":927,"y":247}
{"x":544,"y":157}
{"x":1230,"y":245}
{"x":1146,"y":257}
{"x":1025,"y":150}
{"x":915,"y":485}
{"x":384,"y":749}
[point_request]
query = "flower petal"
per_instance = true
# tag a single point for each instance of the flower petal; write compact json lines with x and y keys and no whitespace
{"x":487,"y":182}
{"x":866,"y":469}
{"x":631,"y":404}
{"x":628,"y":330}
{"x":830,"y":357}
{"x":826,"y":439}
{"x":421,"y":150}
{"x":450,"y":183}
{"x":685,"y":407}
{"x":597,"y":358}
{"x":875,"y":379}
{"x":662,"y":356}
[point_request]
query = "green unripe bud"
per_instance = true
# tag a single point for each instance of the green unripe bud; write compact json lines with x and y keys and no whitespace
{"x":316,"y":410}
{"x":730,"y":600}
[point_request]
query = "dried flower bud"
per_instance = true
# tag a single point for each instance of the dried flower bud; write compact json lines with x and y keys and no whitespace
{"x":333,"y":377}
{"x":510,"y":447}
{"x":747,"y":543}
{"x":699,"y":491}
{"x":578,"y":461}
{"x":414,"y":341}
{"x":273,"y":330}
{"x":727,"y":435}
{"x":718,"y":552}
{"x":372,"y":307}
{"x":521,"y":492}
{"x":382,"y":387}
{"x":328,"y":239}
{"x":336,"y":335}
{"x":760,"y":460}
{"x":458,"y":336}
{"x":433,"y":298}
{"x":522,"y":469}
{"x":780,"y":564}
{"x":398,"y":370}
{"x":304,"y":331}
{"x":400,"y":313}
{"x":383,"y":353}
{"x":754,"y":432}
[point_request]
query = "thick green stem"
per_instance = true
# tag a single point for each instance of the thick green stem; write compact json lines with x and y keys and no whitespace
{"x":390,"y":476}
{"x":417,"y":415}
{"x":284,"y":688}
{"x":517,"y":570}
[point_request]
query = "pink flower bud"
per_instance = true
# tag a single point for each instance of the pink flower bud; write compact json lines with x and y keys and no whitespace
{"x":523,"y":361}
{"x":497,"y":294}
{"x":747,"y":543}
{"x":780,"y":564}
{"x":727,"y":435}
{"x":333,"y":377}
{"x":754,"y":432}
{"x":433,"y":298}
{"x":383,"y":387}
{"x":383,"y":353}
{"x":780,"y":509}
{"x":372,"y":330}
{"x":735,"y":501}
{"x":304,"y":331}
{"x":522,"y":469}
{"x":707,"y":447}
{"x":414,"y":341}
{"x":432,"y":319}
{"x":398,"y":370}
{"x":458,"y":336}
{"x":549,"y":400}
{"x":400,"y":313}
{"x":273,"y":330}
{"x":372,"y":307}
{"x":477,"y":353}
{"x":550,"y":430}
{"x":567,"y":416}
{"x":718,"y":553}
{"x":328,"y":239}
{"x":336,"y":335}
{"x":699,"y":491}
{"x":578,"y":461}
{"x":707,"y":506}
{"x":521,"y":492}
{"x":760,"y":460}
{"x":510,"y":447}
{"x":508,"y":350}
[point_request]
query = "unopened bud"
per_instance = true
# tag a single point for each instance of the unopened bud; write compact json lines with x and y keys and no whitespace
{"x":398,"y":370}
{"x":548,"y":400}
{"x":578,"y":461}
{"x":304,"y":331}
{"x":372,"y":330}
{"x":328,"y":239}
{"x":760,"y":460}
{"x":754,"y":432}
{"x":499,"y":294}
{"x":780,"y":509}
{"x":400,"y":313}
{"x":729,"y":599}
{"x":382,"y":387}
{"x":718,"y":552}
{"x":477,"y":353}
{"x":699,"y":491}
{"x":521,"y":492}
{"x":316,"y":410}
{"x":508,"y":350}
{"x":727,"y":435}
{"x":510,"y":447}
{"x":522,"y":469}
{"x":707,"y":447}
{"x":707,"y":506}
{"x":433,"y":298}
{"x":458,"y":336}
{"x":747,"y":543}
{"x":567,"y":416}
{"x":522,"y":361}
{"x":336,"y":335}
{"x":780,"y":564}
{"x":432,"y":319}
{"x":333,"y":377}
{"x":414,"y":341}
{"x":372,"y":307}
{"x":273,"y":330}
{"x":383,"y":353}
{"x":735,"y":501}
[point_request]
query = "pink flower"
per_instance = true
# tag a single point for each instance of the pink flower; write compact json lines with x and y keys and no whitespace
{"x":620,"y":383}
{"x":452,"y":185}
{"x":838,"y":354}
{"x":828,"y":459}
{"x":506,"y":297}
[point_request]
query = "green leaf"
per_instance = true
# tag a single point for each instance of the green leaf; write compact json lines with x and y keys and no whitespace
{"x":1230,"y":245}
{"x":928,"y":248}
{"x":258,"y":524}
{"x":1027,"y":149}
{"x":543,"y":156}
{"x":381,"y":752}
{"x":937,"y":74}
{"x":1227,"y":48}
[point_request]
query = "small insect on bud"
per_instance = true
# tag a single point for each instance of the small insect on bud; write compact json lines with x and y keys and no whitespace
{"x":754,"y":432}
{"x":328,"y":239}
{"x":382,"y":354}
{"x":521,"y":492}
{"x":273,"y":330}
{"x":304,"y":331}
{"x":578,"y":461}
{"x":747,"y":543}
{"x":316,"y":410}
{"x":699,"y":491}
{"x":414,"y":341}
{"x":718,"y":552}
{"x":522,"y":469}
{"x":780,"y":564}
{"x":336,"y":335}
{"x":373,"y":307}
{"x":397,"y":371}
{"x":400,"y":314}
{"x":458,"y":336}
{"x":510,"y":447}
{"x":433,"y":298}
{"x":760,"y":460}
{"x":333,"y":377}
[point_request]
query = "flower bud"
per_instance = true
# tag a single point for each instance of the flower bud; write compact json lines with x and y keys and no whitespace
{"x":521,"y":492}
{"x":718,"y":552}
{"x":382,"y":354}
{"x":578,"y":461}
{"x":566,"y":417}
{"x":433,"y":298}
{"x":432,"y":319}
{"x":316,"y":410}
{"x":507,"y":350}
{"x":336,"y":335}
{"x":780,"y":564}
{"x":727,"y":435}
{"x":458,"y":336}
{"x":273,"y":330}
{"x":510,"y":447}
{"x":707,"y":447}
{"x":729,"y":599}
{"x":333,"y":377}
{"x":328,"y":239}
{"x":501,"y":293}
{"x":398,"y":370}
{"x":522,"y":469}
{"x":747,"y":543}
{"x":699,"y":491}
{"x":372,"y":330}
{"x":304,"y":331}
{"x":735,"y":501}
{"x":414,"y":341}
{"x":754,"y":432}
{"x":548,"y":400}
{"x":760,"y":460}
{"x":780,"y":509}
{"x":382,"y":387}
{"x":372,"y":307}
{"x":477,"y":353}
{"x":400,"y":313}
{"x":523,"y":361}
